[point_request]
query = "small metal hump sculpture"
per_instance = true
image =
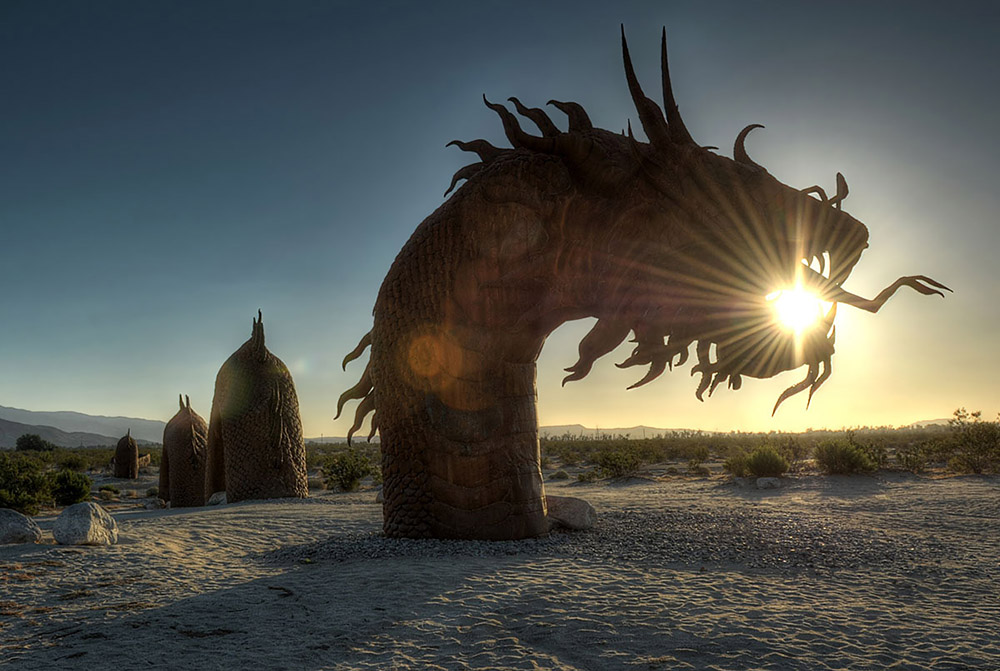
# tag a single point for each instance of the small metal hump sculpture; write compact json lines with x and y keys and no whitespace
{"x":255,"y":445}
{"x":182,"y":467}
{"x":127,"y":457}
{"x":664,"y":240}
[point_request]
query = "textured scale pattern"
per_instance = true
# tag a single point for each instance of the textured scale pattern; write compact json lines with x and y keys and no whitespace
{"x":255,"y":445}
{"x":182,"y":466}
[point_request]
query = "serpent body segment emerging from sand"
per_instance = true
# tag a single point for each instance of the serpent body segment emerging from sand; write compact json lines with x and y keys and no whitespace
{"x":663,"y":239}
{"x":182,"y":464}
{"x":255,"y":448}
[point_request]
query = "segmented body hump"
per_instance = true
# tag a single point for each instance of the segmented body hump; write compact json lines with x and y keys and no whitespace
{"x":255,"y":444}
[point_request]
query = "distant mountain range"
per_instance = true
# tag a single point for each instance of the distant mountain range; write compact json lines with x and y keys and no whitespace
{"x":11,"y":431}
{"x":72,"y":429}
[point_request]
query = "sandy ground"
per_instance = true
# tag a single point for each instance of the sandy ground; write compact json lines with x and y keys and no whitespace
{"x":885,"y":572}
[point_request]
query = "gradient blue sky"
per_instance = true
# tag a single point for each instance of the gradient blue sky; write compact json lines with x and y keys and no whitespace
{"x":168,"y":168}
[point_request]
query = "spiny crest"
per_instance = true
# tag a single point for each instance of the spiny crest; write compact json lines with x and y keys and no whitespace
{"x":664,"y":128}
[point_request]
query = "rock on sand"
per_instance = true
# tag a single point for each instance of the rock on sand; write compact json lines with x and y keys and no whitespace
{"x":17,"y":528}
{"x":85,"y":524}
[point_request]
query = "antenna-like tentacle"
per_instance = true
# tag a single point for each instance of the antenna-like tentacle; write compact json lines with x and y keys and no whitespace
{"x":656,"y":369}
{"x":842,"y":190}
{"x":366,"y":406}
{"x":675,"y":124}
{"x":517,"y":137}
{"x":464,"y":173}
{"x":740,"y":151}
{"x":360,"y":390}
{"x":809,"y":379}
{"x":650,"y":115}
{"x":538,"y":116}
{"x":605,"y":336}
{"x":482,"y":148}
{"x":363,"y":344}
{"x":578,"y":119}
{"x":827,"y":370}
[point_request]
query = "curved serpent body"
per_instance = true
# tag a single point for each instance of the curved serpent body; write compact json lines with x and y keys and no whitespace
{"x":255,"y":446}
{"x":127,"y":457}
{"x":182,"y":466}
{"x":665,"y":240}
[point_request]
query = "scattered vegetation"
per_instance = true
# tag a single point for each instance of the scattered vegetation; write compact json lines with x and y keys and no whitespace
{"x":559,"y":475}
{"x":24,"y":486}
{"x":842,"y":457}
{"x":153,"y":493}
{"x":737,"y":464}
{"x":69,"y":487}
{"x":32,"y":442}
{"x":618,"y":461}
{"x":975,"y":444}
{"x":766,"y":462}
{"x":108,"y":488}
{"x":345,"y":469}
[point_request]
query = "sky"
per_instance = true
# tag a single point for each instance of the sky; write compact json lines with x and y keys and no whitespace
{"x":169,"y":168}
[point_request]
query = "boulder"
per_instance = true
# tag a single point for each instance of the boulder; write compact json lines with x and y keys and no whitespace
{"x":768,"y":483}
{"x":218,"y":498}
{"x":570,"y":512}
{"x":85,"y":524}
{"x":17,"y":528}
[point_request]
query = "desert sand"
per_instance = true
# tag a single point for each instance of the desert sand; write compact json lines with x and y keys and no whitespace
{"x":867,"y":572}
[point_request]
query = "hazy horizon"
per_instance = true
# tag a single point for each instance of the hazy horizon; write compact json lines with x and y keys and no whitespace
{"x":172,"y":168}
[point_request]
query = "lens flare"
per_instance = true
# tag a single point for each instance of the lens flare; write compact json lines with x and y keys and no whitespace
{"x":795,"y":309}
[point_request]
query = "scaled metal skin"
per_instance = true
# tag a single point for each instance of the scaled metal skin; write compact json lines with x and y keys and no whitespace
{"x":126,"y":461}
{"x":255,"y":446}
{"x":665,"y":240}
{"x":182,"y":466}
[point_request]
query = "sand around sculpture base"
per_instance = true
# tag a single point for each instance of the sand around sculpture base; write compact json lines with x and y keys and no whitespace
{"x":878,"y":572}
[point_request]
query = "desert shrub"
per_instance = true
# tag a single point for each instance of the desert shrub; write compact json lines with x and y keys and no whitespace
{"x":106,"y":495}
{"x":559,"y":475}
{"x":618,"y":462}
{"x":153,"y":493}
{"x":842,"y":457}
{"x":24,"y":486}
{"x":588,"y":476}
{"x":912,"y":458}
{"x":33,"y":442}
{"x":737,"y":464}
{"x":766,"y":462}
{"x":876,"y":452}
{"x":345,"y":469}
{"x":975,"y":443}
{"x":69,"y":487}
{"x":316,"y":484}
{"x":108,"y":488}
{"x":71,"y":461}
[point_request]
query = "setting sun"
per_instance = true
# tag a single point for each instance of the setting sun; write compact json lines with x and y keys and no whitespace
{"x":795,"y":309}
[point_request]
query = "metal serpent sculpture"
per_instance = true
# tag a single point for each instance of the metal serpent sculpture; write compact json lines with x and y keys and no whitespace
{"x":663,"y":239}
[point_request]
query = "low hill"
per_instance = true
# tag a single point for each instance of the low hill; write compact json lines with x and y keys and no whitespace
{"x":148,"y":430}
{"x":11,"y":431}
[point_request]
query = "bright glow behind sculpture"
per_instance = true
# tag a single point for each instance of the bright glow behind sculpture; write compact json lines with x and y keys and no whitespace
{"x":795,"y":309}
